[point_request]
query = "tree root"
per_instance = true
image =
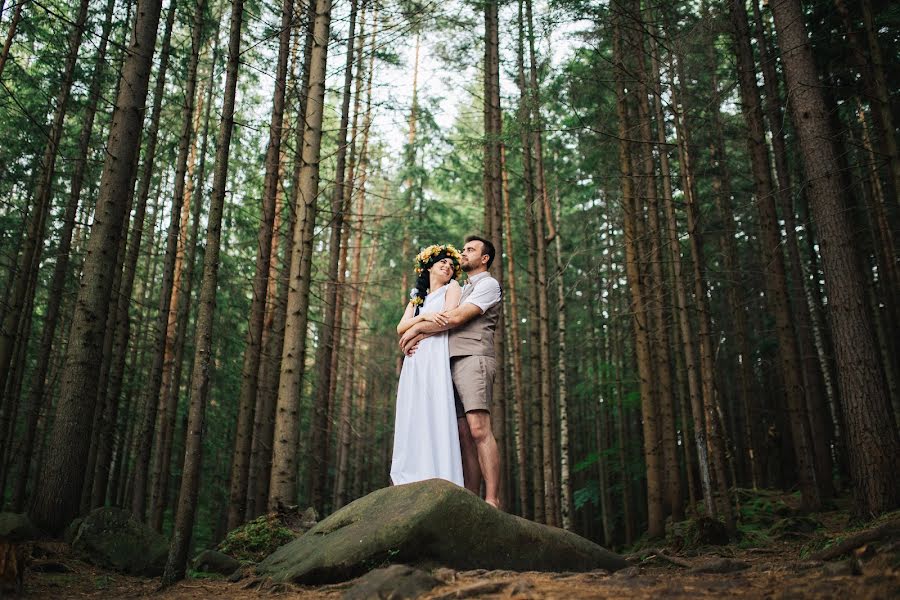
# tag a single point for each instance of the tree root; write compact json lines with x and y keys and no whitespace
{"x":854,"y":542}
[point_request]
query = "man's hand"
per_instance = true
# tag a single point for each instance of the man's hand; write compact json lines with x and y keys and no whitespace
{"x":438,"y":318}
{"x":410,"y":341}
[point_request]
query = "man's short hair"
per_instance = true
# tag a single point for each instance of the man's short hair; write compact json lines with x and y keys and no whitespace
{"x":488,"y":247}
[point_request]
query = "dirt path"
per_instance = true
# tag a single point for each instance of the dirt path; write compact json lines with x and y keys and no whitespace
{"x":776,"y":568}
{"x":768,"y":575}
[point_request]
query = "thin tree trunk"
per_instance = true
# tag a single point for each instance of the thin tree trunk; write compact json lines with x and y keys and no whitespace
{"x":283,"y":486}
{"x":34,"y":241}
{"x":493,"y":225}
{"x":537,"y":470}
{"x":59,"y":487}
{"x":776,"y":278}
{"x":655,"y":520}
{"x":154,"y":417}
{"x":176,"y":563}
{"x":514,"y":340}
{"x":659,"y":333}
{"x":542,"y":218}
{"x":11,"y":33}
{"x":339,"y":205}
{"x":249,"y":376}
{"x":566,"y":503}
{"x":354,"y":305}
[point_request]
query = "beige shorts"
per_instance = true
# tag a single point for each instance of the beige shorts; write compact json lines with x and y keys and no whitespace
{"x":473,"y":382}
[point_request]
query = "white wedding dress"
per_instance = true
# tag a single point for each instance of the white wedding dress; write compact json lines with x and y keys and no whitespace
{"x":426,"y":439}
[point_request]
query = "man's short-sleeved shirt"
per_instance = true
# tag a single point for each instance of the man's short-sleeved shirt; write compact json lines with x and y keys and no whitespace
{"x":486,"y":293}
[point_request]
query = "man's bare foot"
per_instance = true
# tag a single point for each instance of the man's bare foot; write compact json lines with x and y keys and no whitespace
{"x":493,"y":503}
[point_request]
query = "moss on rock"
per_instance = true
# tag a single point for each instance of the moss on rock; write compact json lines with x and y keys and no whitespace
{"x":114,"y":539}
{"x":430,"y":521}
{"x":253,"y":541}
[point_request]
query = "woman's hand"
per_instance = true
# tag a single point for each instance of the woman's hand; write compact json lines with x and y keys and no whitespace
{"x":438,"y":318}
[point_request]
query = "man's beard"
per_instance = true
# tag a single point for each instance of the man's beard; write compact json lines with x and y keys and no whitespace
{"x":466,"y":267}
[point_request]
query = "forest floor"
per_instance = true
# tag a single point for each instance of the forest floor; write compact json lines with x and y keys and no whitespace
{"x":759,"y":566}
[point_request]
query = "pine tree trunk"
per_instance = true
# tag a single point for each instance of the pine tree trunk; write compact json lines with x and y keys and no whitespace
{"x":493,"y":224}
{"x":37,"y":394}
{"x":154,"y":417}
{"x":816,"y":379}
{"x":354,"y":305}
{"x":655,"y":520}
{"x":776,"y":278}
{"x":118,"y":324}
{"x":542,"y":218}
{"x":710,"y":421}
{"x":514,"y":340}
{"x":59,"y":487}
{"x":343,"y":191}
{"x":34,"y":242}
{"x":872,"y":438}
{"x":659,"y":333}
{"x":537,"y":470}
{"x":263,"y":412}
{"x":249,"y":376}
{"x":176,"y":563}
{"x":11,"y":33}
{"x":283,"y":486}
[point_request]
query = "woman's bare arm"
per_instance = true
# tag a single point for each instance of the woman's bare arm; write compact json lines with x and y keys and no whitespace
{"x":454,"y":293}
{"x":408,"y":319}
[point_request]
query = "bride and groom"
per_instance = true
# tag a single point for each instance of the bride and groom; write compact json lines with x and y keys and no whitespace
{"x":443,"y":420}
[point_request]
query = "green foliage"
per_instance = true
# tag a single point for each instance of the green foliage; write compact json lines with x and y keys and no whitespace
{"x":257,"y":539}
{"x":589,"y":493}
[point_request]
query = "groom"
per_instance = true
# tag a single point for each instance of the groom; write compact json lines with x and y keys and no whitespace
{"x":472,"y":364}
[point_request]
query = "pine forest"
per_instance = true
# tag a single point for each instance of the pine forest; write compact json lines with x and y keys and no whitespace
{"x":210,"y":211}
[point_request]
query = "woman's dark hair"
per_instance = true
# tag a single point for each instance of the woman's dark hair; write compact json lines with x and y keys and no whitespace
{"x":487,"y":249}
{"x":423,"y":281}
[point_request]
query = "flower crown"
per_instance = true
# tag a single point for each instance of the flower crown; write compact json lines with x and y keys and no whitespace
{"x":426,"y":258}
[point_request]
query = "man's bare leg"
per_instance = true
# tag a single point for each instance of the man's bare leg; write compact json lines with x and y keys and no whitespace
{"x":488,"y":454}
{"x":471,"y":466}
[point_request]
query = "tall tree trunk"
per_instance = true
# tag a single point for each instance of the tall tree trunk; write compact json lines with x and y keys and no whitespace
{"x":493,"y":224}
{"x":155,"y":402}
{"x":343,"y":192}
{"x":11,"y":33}
{"x":566,"y":504}
{"x":776,"y":278}
{"x":59,"y":487}
{"x":659,"y":333}
{"x":176,"y":563}
{"x":515,"y":346}
{"x":117,"y":326}
{"x":710,"y":421}
{"x":537,"y":470}
{"x":354,"y":304}
{"x":873,"y":443}
{"x":34,"y":241}
{"x":680,"y":296}
{"x":542,"y":219}
{"x":283,"y":486}
{"x":655,"y":520}
{"x":249,"y":375}
{"x":37,"y":394}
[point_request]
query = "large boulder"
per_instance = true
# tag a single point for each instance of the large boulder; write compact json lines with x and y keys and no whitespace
{"x":432,"y":522}
{"x":112,"y":538}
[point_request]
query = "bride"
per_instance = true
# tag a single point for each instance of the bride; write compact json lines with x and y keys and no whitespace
{"x":426,"y":438}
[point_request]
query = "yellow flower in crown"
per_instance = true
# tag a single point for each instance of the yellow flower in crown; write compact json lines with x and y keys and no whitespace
{"x":431,"y":254}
